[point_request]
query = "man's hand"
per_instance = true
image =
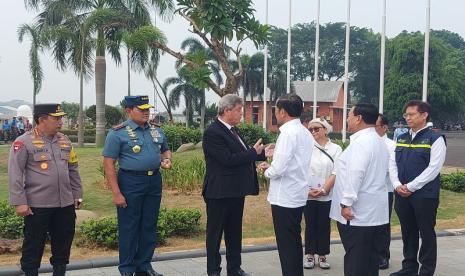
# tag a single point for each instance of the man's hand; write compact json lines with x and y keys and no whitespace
{"x":403,"y":191}
{"x":166,"y":164}
{"x":316,"y":193}
{"x":347,"y":213}
{"x":23,"y":210}
{"x":119,"y":200}
{"x":78,"y":203}
{"x":259,"y":146}
{"x":262,"y":167}
{"x":269,"y":150}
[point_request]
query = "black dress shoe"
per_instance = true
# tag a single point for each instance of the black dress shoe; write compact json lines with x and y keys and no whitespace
{"x":34,"y":272}
{"x":403,"y":273}
{"x":384,"y":264}
{"x":149,"y":272}
{"x":238,"y":272}
{"x":127,"y":273}
{"x":214,"y":273}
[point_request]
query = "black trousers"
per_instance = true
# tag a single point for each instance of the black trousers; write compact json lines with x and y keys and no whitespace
{"x":317,"y":227}
{"x":417,"y":218}
{"x":224,"y":215}
{"x":384,"y":235}
{"x":361,"y":258}
{"x":59,"y":223}
{"x":286,"y":222}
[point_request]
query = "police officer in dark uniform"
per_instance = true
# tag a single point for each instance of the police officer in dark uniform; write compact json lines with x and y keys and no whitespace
{"x":45,"y":188}
{"x":140,"y":149}
{"x":414,"y":172}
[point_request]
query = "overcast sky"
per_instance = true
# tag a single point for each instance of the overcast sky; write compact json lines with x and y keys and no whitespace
{"x":16,"y":83}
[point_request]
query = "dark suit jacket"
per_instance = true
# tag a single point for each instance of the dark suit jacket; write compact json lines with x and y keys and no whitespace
{"x":230,"y":169}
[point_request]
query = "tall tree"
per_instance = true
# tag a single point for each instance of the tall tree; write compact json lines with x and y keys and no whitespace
{"x":34,"y":61}
{"x":252,"y":83}
{"x":106,"y":18}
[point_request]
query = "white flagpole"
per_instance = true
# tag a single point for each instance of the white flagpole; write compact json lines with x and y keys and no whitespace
{"x":426,"y":55}
{"x":383,"y":51}
{"x":317,"y":55}
{"x":265,"y":75}
{"x":288,"y":87}
{"x":346,"y":75}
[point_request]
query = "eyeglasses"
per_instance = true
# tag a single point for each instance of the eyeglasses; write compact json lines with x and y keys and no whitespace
{"x":314,"y":129}
{"x":407,"y":115}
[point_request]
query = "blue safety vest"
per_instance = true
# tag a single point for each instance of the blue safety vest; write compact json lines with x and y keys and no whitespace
{"x":413,"y":157}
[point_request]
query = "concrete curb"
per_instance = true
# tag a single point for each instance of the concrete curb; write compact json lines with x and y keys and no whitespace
{"x":113,"y":261}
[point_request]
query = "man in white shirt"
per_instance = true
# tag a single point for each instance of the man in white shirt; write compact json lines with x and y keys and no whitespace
{"x":414,"y":172}
{"x":360,"y":197}
{"x":384,"y":239}
{"x":289,"y":175}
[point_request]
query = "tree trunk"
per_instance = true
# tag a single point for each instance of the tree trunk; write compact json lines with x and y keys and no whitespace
{"x":167,"y":105}
{"x":244,"y":99}
{"x":34,"y":94}
{"x":129,"y":72}
{"x":100,"y":77}
{"x":202,"y":112}
{"x":187,"y":111}
{"x":81,"y":99}
{"x":251,"y":106}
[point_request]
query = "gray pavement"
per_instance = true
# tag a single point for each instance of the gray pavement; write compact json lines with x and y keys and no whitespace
{"x":451,"y":255}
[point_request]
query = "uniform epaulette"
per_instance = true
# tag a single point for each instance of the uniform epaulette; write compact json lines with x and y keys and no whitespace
{"x":118,"y":127}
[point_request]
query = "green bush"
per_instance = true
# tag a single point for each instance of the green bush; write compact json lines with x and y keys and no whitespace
{"x":171,"y":222}
{"x":453,"y":182}
{"x":11,"y":225}
{"x":178,"y":135}
{"x":252,"y":133}
{"x":87,"y":139}
{"x":184,"y":176}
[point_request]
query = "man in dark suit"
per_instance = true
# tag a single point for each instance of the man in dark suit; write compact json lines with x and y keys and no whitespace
{"x":230,"y":176}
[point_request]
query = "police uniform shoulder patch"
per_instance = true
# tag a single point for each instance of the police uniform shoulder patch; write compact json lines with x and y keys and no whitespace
{"x":118,"y":127}
{"x":73,"y":159}
{"x":17,"y":145}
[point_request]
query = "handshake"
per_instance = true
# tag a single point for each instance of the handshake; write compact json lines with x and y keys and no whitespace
{"x":269,"y":151}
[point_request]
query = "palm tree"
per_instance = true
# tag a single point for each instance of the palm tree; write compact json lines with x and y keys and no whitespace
{"x":183,"y":87}
{"x":34,"y":61}
{"x":104,"y":19}
{"x":195,"y":47}
{"x":252,"y":82}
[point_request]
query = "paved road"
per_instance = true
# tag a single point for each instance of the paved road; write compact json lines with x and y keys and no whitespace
{"x":450,"y":262}
{"x":455,"y":149}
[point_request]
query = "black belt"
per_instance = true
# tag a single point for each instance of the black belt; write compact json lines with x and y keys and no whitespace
{"x":149,"y":173}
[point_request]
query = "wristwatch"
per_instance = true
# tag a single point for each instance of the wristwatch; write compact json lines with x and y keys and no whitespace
{"x":343,"y":206}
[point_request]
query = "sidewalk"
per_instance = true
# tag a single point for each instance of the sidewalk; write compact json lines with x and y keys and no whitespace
{"x":451,"y":253}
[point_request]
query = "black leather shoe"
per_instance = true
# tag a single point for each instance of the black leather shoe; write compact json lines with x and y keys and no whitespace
{"x":127,"y":273}
{"x":238,"y":272}
{"x":384,"y":264}
{"x":214,"y":274}
{"x":149,"y":272}
{"x":403,"y":273}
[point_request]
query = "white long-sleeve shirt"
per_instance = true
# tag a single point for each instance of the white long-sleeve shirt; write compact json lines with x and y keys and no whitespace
{"x":288,"y":172}
{"x":321,"y":167}
{"x":391,"y":146}
{"x":437,"y":158}
{"x":360,"y":180}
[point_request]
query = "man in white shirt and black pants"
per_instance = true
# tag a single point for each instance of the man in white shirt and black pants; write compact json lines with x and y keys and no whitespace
{"x":384,"y":239}
{"x":360,"y":197}
{"x":289,"y":176}
{"x":414,"y":172}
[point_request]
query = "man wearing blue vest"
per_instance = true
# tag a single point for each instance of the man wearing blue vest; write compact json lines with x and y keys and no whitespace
{"x":140,"y":149}
{"x":414,"y":172}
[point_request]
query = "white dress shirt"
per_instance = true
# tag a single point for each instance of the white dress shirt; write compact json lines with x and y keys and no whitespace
{"x":321,"y":167}
{"x":360,"y":181}
{"x":229,"y":127}
{"x":391,"y":146}
{"x":436,"y":161}
{"x":288,"y":172}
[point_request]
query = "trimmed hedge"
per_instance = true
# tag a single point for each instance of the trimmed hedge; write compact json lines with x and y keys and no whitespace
{"x":178,"y":135}
{"x":171,"y":222}
{"x":252,"y":133}
{"x":454,"y":182}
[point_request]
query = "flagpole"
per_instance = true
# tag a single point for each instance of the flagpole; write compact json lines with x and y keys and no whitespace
{"x":288,"y":86}
{"x":426,"y":54}
{"x":265,"y":74}
{"x":383,"y":51}
{"x":346,"y":75}
{"x":317,"y":55}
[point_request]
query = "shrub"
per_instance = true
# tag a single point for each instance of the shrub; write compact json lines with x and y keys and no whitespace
{"x":171,"y":222}
{"x":11,"y":225}
{"x":252,"y":133}
{"x":185,"y":176}
{"x":453,"y":182}
{"x":178,"y":135}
